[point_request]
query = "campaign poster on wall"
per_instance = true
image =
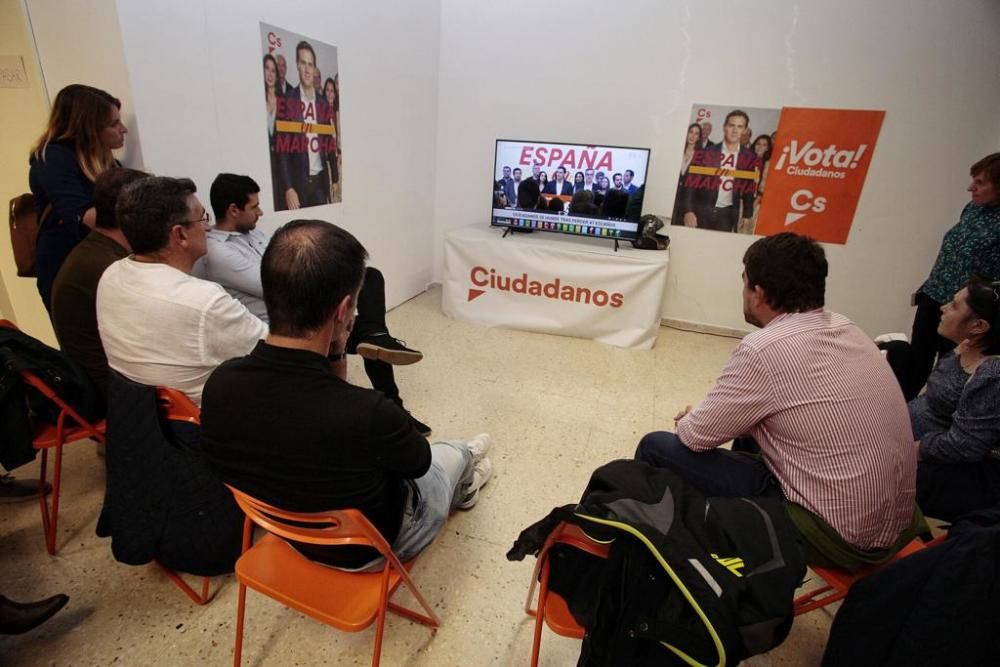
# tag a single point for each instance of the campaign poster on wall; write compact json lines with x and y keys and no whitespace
{"x":818,"y":170}
{"x":302,"y":100}
{"x":726,"y":150}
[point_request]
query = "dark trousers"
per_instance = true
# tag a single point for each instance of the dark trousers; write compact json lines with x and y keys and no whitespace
{"x":316,"y":191}
{"x":719,"y":219}
{"x":371,"y":320}
{"x":55,"y":241}
{"x":718,"y":472}
{"x":925,"y":345}
{"x":947,"y":491}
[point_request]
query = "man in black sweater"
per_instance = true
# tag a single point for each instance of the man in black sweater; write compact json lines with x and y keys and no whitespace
{"x":284,"y":425}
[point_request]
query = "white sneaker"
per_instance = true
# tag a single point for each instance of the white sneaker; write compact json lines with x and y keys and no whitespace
{"x":479,"y":445}
{"x":480,"y":475}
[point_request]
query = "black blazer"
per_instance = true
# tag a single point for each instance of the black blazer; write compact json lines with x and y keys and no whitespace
{"x":293,"y":154}
{"x":550,"y":188}
{"x":705,"y":189}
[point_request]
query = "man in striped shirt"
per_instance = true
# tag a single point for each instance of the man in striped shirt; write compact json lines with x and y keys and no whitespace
{"x":813,"y":391}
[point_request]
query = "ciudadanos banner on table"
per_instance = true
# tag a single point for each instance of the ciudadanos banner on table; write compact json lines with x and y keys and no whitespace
{"x":770,"y":170}
{"x":302,"y":100}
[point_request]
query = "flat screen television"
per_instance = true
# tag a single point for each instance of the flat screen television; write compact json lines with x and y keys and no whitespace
{"x":614,"y":174}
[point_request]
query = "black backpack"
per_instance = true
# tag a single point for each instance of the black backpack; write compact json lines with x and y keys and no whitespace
{"x":689,"y":579}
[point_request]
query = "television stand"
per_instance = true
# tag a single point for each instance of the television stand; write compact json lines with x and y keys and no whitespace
{"x":555,"y":284}
{"x":513,"y":230}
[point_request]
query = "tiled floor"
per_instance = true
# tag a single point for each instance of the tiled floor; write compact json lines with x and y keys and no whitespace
{"x":556,"y":407}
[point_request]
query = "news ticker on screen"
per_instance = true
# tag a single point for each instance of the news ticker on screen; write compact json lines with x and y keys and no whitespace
{"x":562,"y":223}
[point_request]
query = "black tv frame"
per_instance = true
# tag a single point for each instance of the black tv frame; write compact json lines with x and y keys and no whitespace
{"x":569,"y":224}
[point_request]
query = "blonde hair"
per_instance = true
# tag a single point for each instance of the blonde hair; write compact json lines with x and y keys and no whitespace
{"x":79,"y":114}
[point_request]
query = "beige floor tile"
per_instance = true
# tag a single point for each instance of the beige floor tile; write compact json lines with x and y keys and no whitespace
{"x":556,"y":407}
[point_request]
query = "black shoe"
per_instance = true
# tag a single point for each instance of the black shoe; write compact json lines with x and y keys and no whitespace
{"x":422,"y":428}
{"x":383,"y":347}
{"x":18,"y":617}
{"x":15,"y":490}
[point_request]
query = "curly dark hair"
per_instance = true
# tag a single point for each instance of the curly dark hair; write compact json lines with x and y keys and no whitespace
{"x":791,"y":269}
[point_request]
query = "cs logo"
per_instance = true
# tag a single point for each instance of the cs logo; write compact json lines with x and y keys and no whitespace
{"x":805,"y":200}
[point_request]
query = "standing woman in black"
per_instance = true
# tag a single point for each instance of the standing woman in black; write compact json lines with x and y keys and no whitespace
{"x":271,"y":95}
{"x":84,"y":128}
{"x":692,"y":143}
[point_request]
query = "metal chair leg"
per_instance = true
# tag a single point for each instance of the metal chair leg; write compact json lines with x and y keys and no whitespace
{"x":240,"y":613}
{"x":198,"y":599}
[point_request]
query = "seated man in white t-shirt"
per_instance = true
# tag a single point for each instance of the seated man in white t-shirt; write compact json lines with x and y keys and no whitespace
{"x":160,"y":325}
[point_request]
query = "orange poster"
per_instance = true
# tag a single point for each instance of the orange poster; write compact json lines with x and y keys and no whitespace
{"x":816,"y":172}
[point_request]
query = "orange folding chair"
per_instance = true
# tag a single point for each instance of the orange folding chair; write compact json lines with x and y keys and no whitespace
{"x":69,"y":427}
{"x":553,"y":606}
{"x":176,"y":406}
{"x":838,"y":582}
{"x":350,"y":601}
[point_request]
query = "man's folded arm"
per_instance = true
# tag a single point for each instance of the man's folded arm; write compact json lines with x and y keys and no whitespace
{"x":397,"y":444}
{"x":742,"y":397}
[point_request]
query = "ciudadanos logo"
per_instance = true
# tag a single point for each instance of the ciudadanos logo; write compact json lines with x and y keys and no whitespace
{"x":489,"y":279}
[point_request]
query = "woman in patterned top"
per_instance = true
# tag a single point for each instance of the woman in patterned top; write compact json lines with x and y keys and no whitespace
{"x":970,"y":249}
{"x":957,"y":420}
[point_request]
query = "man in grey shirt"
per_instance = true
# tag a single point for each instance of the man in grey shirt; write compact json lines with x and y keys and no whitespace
{"x":235,"y":250}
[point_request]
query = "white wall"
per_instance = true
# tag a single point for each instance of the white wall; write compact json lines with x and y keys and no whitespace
{"x":195,"y":69}
{"x":427,"y":87}
{"x":79,"y":41}
{"x":593,"y":72}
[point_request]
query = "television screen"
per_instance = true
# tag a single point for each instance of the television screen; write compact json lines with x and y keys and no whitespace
{"x":579,"y":189}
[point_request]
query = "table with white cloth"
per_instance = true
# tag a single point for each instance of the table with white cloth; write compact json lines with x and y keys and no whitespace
{"x":557,"y":284}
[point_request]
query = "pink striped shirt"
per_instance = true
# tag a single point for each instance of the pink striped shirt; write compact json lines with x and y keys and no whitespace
{"x":815,"y":393}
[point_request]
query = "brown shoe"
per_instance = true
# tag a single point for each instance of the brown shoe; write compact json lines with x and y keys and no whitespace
{"x":15,"y":490}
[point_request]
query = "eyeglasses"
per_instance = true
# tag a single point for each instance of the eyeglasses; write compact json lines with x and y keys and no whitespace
{"x":205,"y":221}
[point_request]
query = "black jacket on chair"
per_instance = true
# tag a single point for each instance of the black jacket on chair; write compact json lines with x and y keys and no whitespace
{"x":162,"y":501}
{"x":712,"y":578}
{"x":939,"y":606}
{"x":18,"y":352}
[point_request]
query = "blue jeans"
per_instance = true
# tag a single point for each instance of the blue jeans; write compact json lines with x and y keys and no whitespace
{"x":719,"y":472}
{"x":438,"y":492}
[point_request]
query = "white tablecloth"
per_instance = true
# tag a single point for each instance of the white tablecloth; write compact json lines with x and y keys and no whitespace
{"x":552,"y":283}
